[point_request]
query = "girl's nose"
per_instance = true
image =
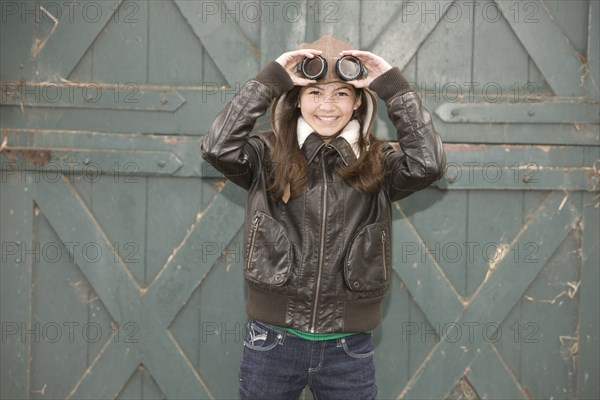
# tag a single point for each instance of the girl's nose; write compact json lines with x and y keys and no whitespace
{"x":328,"y":103}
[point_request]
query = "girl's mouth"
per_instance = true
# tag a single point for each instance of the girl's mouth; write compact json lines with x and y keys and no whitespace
{"x":326,"y":119}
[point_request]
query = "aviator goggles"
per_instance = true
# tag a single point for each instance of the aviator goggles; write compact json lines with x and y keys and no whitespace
{"x":347,"y":68}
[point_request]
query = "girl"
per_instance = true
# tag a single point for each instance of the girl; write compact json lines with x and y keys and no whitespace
{"x":318,"y":216}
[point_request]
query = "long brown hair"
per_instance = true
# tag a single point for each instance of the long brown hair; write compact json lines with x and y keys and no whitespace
{"x":289,"y":166}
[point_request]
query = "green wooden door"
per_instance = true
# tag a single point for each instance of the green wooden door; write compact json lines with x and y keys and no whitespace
{"x":121,"y":250}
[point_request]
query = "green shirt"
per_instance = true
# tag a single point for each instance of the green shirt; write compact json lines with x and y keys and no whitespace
{"x":316,"y":336}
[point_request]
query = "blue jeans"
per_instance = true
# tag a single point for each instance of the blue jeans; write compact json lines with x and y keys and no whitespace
{"x":278,"y":365}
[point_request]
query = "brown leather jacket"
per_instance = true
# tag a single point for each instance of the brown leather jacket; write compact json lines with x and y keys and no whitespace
{"x":321,"y":262}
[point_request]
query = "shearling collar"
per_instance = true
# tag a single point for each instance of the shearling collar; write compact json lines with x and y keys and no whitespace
{"x":350,"y":133}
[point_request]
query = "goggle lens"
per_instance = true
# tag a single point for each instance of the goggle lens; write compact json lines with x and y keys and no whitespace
{"x":314,"y":67}
{"x":349,"y":68}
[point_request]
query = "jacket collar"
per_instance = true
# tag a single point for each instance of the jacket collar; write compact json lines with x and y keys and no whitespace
{"x":346,"y":143}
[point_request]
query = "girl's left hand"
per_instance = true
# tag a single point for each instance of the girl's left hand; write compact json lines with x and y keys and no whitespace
{"x":374,"y":64}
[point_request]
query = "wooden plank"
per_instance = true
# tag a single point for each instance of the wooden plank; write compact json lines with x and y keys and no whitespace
{"x":113,"y":155}
{"x":221,"y":321}
{"x":109,"y":372}
{"x":18,"y":18}
{"x":376,"y":14}
{"x":338,"y":18}
{"x":93,"y":163}
{"x":217,"y":33}
{"x":83,"y":71}
{"x":121,"y":50}
{"x":493,"y":301}
{"x":537,"y":178}
{"x":399,"y":334}
{"x":57,"y":54}
{"x":514,"y":167}
{"x":141,"y":385}
{"x":251,"y":17}
{"x":284,"y":32}
{"x":18,"y":253}
{"x":172,"y":50}
{"x":173,"y":202}
{"x":427,"y":283}
{"x":545,"y":112}
{"x":593,"y":54}
{"x":443,"y":231}
{"x":455,"y":26}
{"x":503,"y":64}
{"x":97,"y":313}
{"x":572,"y":18}
{"x":589,"y":326}
{"x":468,"y":156}
{"x":187,"y":327}
{"x":120,"y":208}
{"x":491,"y":385}
{"x":418,"y":20}
{"x":62,"y":302}
{"x":561,"y":67}
{"x":536,"y":81}
{"x":108,"y":275}
{"x":89,"y":95}
{"x":200,"y":248}
{"x":170,"y":367}
{"x":202,"y":104}
{"x":490,"y":227}
{"x":548,"y":342}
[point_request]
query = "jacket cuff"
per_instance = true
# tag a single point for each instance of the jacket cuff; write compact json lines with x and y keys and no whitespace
{"x":276,"y":78}
{"x":390,"y":84}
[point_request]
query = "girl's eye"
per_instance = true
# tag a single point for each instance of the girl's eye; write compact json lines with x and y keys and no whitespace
{"x":314,"y":92}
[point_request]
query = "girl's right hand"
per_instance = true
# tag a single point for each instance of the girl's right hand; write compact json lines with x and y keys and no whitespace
{"x":291,"y":59}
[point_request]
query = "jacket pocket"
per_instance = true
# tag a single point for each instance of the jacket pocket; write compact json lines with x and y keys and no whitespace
{"x":269,"y":253}
{"x":368,"y":264}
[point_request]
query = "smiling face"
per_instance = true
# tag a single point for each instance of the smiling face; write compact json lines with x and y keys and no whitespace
{"x":327,"y":108}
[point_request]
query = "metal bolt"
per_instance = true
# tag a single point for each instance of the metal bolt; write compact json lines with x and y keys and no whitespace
{"x":164,"y":100}
{"x":454,"y":112}
{"x":162,"y":163}
{"x":86,"y":161}
{"x":530,"y":113}
{"x":356,"y":285}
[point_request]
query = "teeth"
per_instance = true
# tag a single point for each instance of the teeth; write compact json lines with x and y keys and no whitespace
{"x":327,"y":118}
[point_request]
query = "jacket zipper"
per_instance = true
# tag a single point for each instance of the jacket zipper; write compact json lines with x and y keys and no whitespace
{"x":252,"y":240}
{"x":384,"y":243}
{"x":322,"y":243}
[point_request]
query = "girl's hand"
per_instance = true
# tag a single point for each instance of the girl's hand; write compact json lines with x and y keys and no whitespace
{"x":290,"y":60}
{"x":374,"y":64}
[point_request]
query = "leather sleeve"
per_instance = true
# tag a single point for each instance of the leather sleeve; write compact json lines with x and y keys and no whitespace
{"x":422,"y":160}
{"x":227,"y":145}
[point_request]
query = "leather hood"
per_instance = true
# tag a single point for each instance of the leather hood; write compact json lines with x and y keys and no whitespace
{"x":331,"y":47}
